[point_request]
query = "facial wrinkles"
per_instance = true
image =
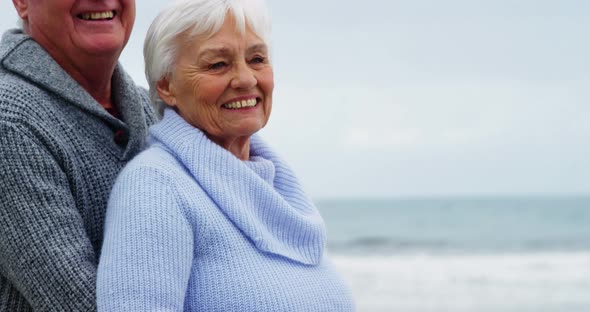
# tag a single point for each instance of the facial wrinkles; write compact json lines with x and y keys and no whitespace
{"x":194,"y":77}
{"x":211,"y":108}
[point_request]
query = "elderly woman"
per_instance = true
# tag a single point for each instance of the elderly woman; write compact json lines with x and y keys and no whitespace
{"x":209,"y":218}
{"x":70,"y":118}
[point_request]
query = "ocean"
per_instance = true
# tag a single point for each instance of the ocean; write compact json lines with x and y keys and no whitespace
{"x":463,"y":254}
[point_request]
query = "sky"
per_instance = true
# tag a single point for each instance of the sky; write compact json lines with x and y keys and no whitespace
{"x":389,"y":98}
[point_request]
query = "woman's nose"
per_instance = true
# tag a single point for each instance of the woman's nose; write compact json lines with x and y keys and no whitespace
{"x":244,"y":77}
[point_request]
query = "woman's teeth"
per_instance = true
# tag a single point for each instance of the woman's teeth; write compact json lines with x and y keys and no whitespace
{"x":97,"y":15}
{"x":240,"y":104}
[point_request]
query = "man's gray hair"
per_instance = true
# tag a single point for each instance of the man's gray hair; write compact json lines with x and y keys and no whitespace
{"x":195,"y":18}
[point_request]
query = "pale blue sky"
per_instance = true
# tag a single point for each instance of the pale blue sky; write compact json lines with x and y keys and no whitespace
{"x":423,"y":97}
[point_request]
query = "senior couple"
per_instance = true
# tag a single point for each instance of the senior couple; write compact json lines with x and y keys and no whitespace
{"x":203,"y":216}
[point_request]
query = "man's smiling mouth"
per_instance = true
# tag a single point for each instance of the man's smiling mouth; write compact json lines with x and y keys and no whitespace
{"x":97,"y":16}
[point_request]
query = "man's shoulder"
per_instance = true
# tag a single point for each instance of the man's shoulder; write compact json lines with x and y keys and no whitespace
{"x":147,"y":105}
{"x":11,"y":84}
{"x":19,"y":98}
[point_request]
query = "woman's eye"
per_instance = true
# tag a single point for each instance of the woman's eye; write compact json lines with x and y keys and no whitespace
{"x":218,"y":65}
{"x":258,"y":60}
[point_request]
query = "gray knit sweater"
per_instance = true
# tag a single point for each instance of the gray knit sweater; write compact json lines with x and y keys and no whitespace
{"x":58,"y":161}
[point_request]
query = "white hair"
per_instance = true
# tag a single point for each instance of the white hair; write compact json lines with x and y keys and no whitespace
{"x":195,"y":18}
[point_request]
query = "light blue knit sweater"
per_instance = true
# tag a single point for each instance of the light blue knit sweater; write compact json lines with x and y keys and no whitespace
{"x":191,"y":227}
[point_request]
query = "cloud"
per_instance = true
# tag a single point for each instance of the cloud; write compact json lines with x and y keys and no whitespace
{"x":381,"y":137}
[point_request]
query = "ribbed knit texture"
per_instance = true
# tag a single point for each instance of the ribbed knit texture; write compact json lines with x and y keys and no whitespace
{"x":191,"y":227}
{"x":58,"y":162}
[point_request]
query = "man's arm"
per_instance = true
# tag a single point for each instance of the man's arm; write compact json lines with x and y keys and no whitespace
{"x":44,"y":249}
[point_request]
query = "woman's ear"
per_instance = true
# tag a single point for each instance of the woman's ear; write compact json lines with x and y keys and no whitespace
{"x":166,"y":91}
{"x":22,"y":8}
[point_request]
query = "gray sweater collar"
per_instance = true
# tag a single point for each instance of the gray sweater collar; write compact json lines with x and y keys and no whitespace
{"x":42,"y":70}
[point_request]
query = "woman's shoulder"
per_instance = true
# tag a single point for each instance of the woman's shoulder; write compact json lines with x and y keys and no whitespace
{"x":149,"y":178}
{"x":155,"y":160}
{"x":155,"y":178}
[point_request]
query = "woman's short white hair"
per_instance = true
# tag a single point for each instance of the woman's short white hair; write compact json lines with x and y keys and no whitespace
{"x":195,"y":18}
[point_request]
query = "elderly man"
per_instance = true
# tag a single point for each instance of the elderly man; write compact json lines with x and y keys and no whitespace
{"x":70,"y":118}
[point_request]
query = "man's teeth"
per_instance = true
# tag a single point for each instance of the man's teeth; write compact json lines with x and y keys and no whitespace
{"x":241,"y":104}
{"x":98,"y":15}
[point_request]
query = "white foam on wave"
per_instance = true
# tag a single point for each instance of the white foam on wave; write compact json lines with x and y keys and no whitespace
{"x":473,"y":282}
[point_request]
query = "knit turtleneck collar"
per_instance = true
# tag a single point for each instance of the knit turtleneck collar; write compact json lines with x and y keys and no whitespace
{"x":262,"y":196}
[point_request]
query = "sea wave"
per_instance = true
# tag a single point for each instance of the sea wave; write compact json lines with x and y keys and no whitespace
{"x":543,"y":282}
{"x":387,"y":245}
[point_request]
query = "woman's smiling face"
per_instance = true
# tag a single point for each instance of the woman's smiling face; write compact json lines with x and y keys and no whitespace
{"x":222,"y":84}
